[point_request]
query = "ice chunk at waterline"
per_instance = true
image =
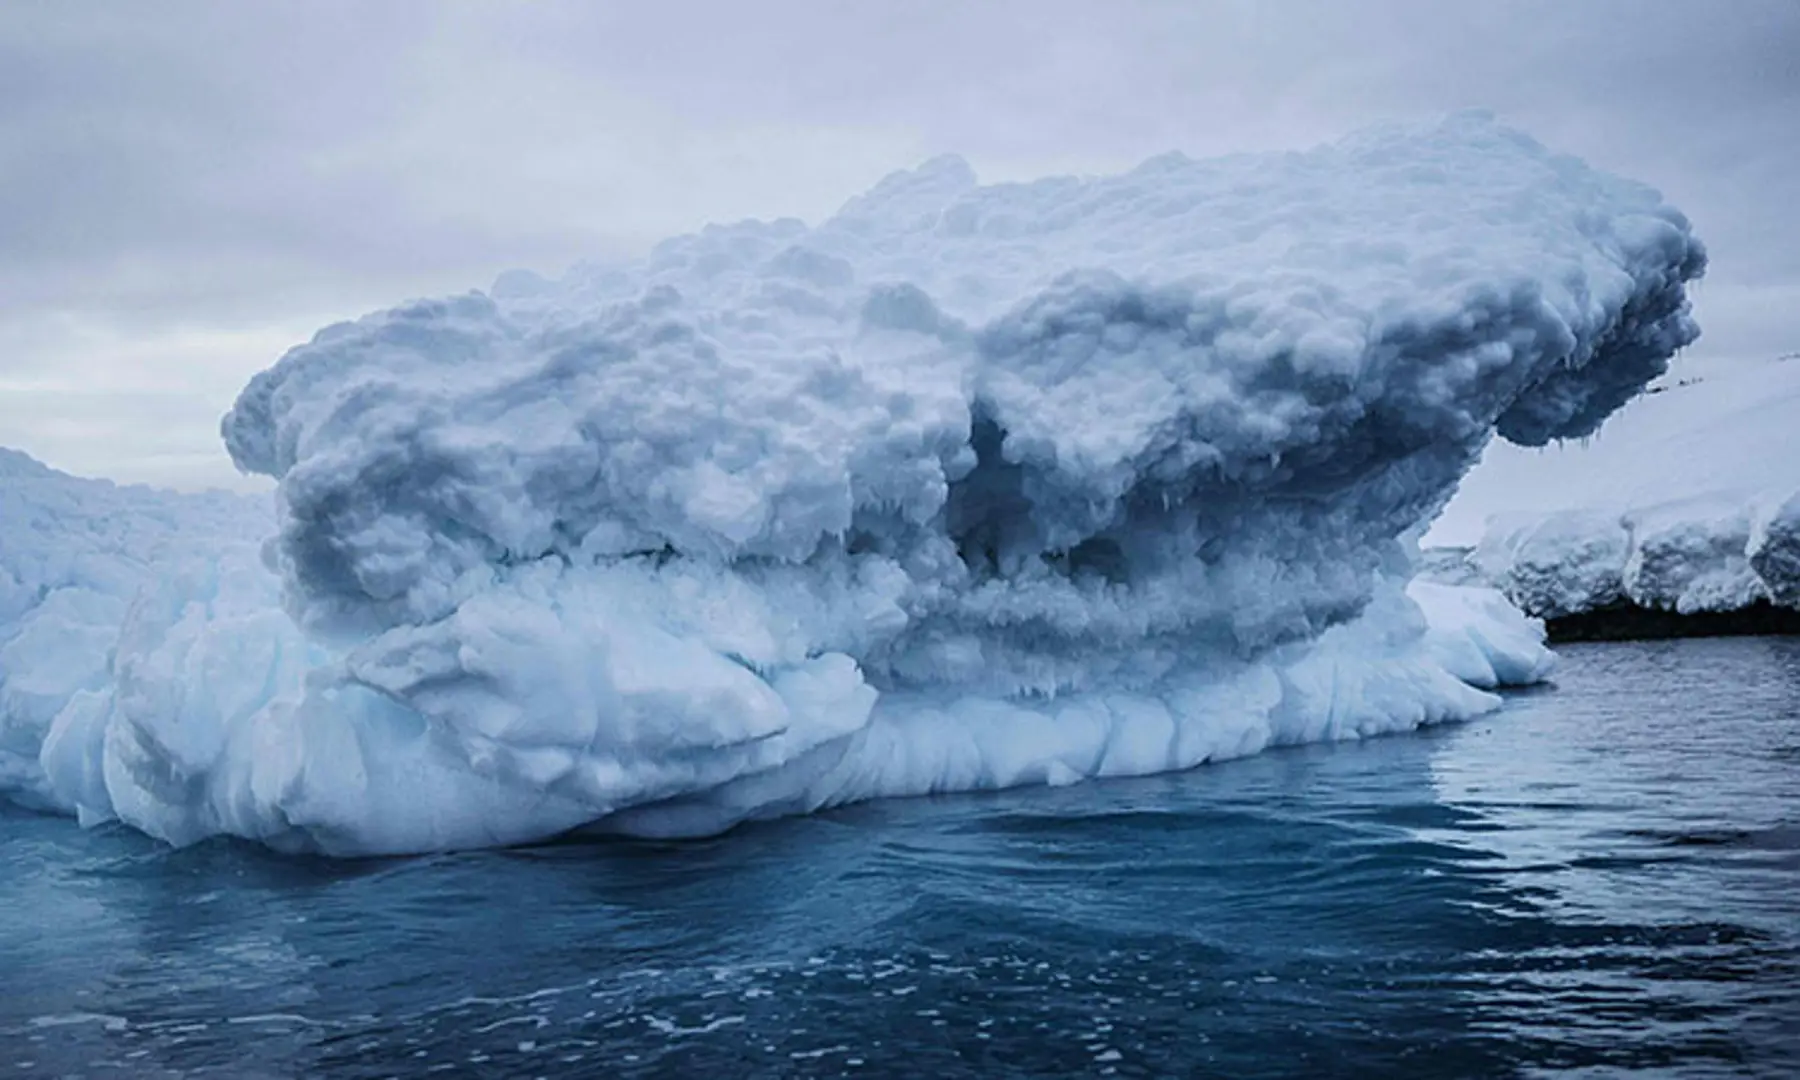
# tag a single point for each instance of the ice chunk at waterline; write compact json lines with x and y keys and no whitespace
{"x":148,"y":673}
{"x":966,"y":487}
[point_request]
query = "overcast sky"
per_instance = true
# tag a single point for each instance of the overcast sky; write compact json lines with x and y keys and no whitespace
{"x":187,"y":189}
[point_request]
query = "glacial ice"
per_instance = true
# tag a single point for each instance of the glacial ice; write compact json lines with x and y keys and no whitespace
{"x":1710,"y":553}
{"x":1689,"y":501}
{"x":149,"y":674}
{"x":964,"y":488}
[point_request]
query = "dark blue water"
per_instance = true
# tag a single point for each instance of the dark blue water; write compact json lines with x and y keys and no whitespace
{"x":1602,"y":879}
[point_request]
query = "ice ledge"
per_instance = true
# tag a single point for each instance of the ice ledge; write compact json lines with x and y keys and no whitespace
{"x":1725,"y":563}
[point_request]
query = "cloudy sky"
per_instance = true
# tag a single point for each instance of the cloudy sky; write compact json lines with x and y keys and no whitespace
{"x":186,"y":189}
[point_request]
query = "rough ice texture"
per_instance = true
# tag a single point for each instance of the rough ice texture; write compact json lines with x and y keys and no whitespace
{"x":81,"y":560}
{"x":1690,"y":556}
{"x":964,"y":488}
{"x":148,"y":674}
{"x":1688,"y":502}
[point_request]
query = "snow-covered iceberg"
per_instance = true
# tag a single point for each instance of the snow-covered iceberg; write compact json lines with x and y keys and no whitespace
{"x":1688,"y":503}
{"x":966,"y":487}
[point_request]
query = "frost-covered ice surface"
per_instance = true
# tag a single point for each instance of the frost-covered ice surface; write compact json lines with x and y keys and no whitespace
{"x":93,"y":578}
{"x":1711,"y":426}
{"x":964,"y":488}
{"x":1701,"y":554}
{"x":1688,"y":501}
{"x":148,"y":673}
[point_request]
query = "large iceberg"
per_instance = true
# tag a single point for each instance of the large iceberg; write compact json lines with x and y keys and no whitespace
{"x":967,"y":487}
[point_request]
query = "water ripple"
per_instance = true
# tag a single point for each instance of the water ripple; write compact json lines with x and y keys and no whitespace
{"x":1601,"y":880}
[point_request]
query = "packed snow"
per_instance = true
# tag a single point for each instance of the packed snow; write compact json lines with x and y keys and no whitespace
{"x":967,"y":487}
{"x":1687,"y":501}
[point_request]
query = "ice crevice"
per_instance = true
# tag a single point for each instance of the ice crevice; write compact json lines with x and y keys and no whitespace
{"x":965,"y":487}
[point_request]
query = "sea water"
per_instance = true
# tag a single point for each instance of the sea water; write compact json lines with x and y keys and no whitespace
{"x":1603,"y":878}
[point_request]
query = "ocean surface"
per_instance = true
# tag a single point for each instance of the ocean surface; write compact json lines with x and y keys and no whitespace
{"x":1603,"y":879}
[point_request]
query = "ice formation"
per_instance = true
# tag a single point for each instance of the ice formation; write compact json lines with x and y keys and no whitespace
{"x":1702,"y":554}
{"x":964,"y":488}
{"x":1688,"y":501}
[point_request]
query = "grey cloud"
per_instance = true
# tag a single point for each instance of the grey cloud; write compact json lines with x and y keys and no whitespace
{"x":239,"y":167}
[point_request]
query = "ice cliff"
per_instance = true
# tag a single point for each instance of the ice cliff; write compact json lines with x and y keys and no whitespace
{"x":966,"y":487}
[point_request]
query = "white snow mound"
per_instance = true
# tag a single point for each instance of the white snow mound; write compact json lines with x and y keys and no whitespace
{"x":1715,"y":553}
{"x":964,"y":488}
{"x":1687,"y":501}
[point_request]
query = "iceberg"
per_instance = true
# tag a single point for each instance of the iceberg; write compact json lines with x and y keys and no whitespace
{"x":964,"y":488}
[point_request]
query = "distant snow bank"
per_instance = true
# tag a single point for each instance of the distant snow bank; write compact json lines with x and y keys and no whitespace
{"x":1704,"y":554}
{"x":965,"y":488}
{"x":1709,"y":428}
{"x":1688,"y":501}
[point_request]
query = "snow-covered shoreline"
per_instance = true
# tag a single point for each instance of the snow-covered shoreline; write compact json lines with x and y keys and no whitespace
{"x":1682,"y":517}
{"x":1695,"y":568}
